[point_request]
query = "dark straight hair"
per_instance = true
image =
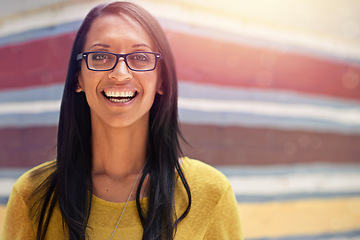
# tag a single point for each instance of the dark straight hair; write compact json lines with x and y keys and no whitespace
{"x":70,"y":184}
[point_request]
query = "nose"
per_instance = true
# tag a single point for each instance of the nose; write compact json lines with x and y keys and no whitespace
{"x":121,"y":71}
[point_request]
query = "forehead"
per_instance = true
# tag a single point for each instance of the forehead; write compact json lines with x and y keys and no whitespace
{"x":117,"y":31}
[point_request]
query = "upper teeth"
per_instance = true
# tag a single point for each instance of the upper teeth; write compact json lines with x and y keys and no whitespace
{"x":120,"y":94}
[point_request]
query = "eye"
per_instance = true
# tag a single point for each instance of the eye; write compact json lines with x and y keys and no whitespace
{"x":99,"y":56}
{"x":141,"y":57}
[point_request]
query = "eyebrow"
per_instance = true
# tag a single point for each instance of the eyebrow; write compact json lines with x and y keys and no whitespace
{"x":141,"y":45}
{"x":108,"y":46}
{"x":99,"y":45}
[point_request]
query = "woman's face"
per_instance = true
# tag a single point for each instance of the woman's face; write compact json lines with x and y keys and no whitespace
{"x":118,"y":34}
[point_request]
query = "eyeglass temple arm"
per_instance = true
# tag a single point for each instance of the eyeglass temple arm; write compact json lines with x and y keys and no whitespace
{"x":79,"y":56}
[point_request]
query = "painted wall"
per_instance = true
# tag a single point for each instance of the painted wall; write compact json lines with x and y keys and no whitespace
{"x":269,"y":93}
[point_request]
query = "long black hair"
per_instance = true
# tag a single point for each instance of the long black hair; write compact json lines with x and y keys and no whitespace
{"x":70,"y":184}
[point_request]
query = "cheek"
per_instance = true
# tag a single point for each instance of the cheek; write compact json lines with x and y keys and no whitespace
{"x":89,"y":80}
{"x":149,"y":81}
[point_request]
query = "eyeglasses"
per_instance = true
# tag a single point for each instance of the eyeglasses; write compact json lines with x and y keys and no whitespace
{"x":106,"y":61}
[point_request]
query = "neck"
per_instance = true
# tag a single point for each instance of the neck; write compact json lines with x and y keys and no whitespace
{"x":120,"y":152}
{"x":118,"y":155}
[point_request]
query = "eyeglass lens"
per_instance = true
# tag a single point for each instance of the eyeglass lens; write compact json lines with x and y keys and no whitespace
{"x":135,"y":61}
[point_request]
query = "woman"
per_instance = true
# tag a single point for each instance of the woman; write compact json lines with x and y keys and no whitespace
{"x":119,"y":173}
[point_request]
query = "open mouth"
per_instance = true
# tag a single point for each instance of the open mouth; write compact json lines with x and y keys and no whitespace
{"x":120,"y":97}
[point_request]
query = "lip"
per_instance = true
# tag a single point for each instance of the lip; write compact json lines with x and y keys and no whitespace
{"x":119,"y":96}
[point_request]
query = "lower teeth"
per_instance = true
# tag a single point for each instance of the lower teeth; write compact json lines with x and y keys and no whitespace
{"x":122,"y":100}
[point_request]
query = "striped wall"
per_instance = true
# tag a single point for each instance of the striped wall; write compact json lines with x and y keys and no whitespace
{"x":271,"y":101}
{"x":282,"y":202}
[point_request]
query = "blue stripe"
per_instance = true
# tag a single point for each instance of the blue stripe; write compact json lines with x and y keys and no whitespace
{"x":40,"y":93}
{"x":191,"y":90}
{"x":280,"y":170}
{"x":253,"y":120}
{"x":4,"y":200}
{"x":294,"y":196}
{"x":37,"y":93}
{"x":39,"y":33}
{"x":342,"y":235}
{"x":211,"y":91}
{"x":26,"y":120}
{"x":13,"y":173}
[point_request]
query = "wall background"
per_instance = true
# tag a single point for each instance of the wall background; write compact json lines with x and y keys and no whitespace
{"x":269,"y":94}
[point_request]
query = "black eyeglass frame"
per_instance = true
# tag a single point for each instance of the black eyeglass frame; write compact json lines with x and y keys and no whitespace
{"x":84,"y":55}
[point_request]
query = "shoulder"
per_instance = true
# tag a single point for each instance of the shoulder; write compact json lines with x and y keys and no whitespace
{"x":204,"y":179}
{"x":214,"y":211}
{"x":18,"y":224}
{"x":29,"y":182}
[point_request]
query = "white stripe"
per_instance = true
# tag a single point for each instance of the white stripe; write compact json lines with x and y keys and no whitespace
{"x":338,"y":238}
{"x":30,"y":107}
{"x":6,"y":185}
{"x":207,"y":104}
{"x":312,"y":183}
{"x":221,"y":19}
{"x":296,"y":183}
{"x":342,"y":116}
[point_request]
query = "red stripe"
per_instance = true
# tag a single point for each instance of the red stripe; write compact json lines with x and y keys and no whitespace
{"x":198,"y":59}
{"x":207,"y":60}
{"x":40,"y":62}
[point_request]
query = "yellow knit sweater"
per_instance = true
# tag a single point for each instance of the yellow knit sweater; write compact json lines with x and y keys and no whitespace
{"x":214,"y":212}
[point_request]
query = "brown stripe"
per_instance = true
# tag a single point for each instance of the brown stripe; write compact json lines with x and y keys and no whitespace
{"x":226,"y":145}
{"x":27,"y":147}
{"x":216,"y":145}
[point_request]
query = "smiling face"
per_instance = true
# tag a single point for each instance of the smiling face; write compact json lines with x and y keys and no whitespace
{"x":119,"y":97}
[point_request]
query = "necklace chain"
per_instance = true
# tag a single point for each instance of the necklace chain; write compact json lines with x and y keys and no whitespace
{"x":132,"y":190}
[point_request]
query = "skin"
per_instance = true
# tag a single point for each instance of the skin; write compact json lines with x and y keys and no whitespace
{"x":119,"y":130}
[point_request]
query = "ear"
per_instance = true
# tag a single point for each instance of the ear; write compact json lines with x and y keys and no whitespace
{"x":160,"y":87}
{"x":160,"y":91}
{"x":78,"y":89}
{"x":78,"y":86}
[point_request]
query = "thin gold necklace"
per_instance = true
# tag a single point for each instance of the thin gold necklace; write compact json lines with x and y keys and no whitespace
{"x":132,"y":190}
